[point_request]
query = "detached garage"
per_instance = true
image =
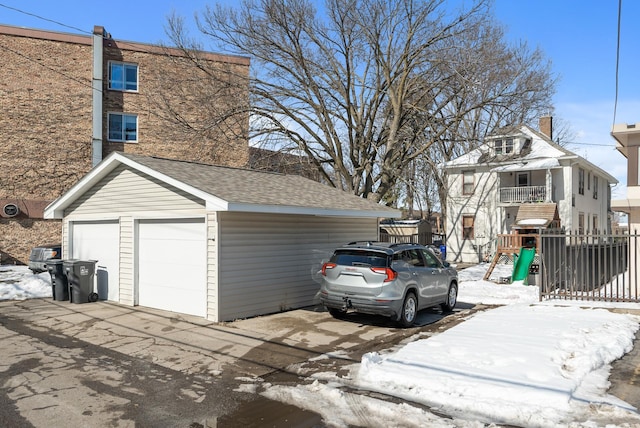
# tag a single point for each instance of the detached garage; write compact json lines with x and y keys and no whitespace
{"x":216,"y":242}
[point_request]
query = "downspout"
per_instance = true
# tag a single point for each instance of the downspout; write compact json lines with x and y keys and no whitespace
{"x":97,"y":87}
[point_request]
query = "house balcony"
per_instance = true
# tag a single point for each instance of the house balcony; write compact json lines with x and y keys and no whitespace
{"x":519,"y":195}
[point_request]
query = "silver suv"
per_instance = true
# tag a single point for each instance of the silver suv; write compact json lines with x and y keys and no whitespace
{"x":394,"y":280}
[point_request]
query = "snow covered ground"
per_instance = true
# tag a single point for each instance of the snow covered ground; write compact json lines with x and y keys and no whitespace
{"x":524,"y":363}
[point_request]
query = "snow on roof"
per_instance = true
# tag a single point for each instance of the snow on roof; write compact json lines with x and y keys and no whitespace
{"x":536,"y":164}
{"x":541,"y":148}
{"x":533,"y":222}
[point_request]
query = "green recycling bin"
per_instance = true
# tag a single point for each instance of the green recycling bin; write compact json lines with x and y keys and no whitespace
{"x":80,"y":278}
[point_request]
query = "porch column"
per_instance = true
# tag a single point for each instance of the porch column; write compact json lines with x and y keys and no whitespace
{"x":549,"y":186}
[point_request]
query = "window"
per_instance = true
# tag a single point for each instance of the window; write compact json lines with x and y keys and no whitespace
{"x":527,"y":144}
{"x":123,"y":127}
{"x":497,"y":146}
{"x":123,"y":77}
{"x":522,"y":179}
{"x":412,"y":257}
{"x":594,"y":226}
{"x":588,"y":180}
{"x":581,"y":223}
{"x":580,"y":181}
{"x":595,"y":187}
{"x":508,"y":147}
{"x":431,"y":260}
{"x":467,"y":182}
{"x":467,"y":227}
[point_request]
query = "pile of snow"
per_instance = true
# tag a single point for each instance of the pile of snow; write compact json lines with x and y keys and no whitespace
{"x":19,"y":283}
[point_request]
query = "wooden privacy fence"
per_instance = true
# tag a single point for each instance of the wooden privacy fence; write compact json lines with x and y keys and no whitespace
{"x":593,"y":266}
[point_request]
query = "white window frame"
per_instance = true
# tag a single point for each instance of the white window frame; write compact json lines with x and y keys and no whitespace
{"x":581,"y":181}
{"x":468,"y":181}
{"x":498,"y":146}
{"x":580,"y":223}
{"x":123,"y":135}
{"x":508,"y":145}
{"x":523,"y":174}
{"x":124,"y":66}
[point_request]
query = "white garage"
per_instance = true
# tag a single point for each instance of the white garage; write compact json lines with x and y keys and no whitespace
{"x":98,"y":240}
{"x":171,"y":265}
{"x":214,"y":242}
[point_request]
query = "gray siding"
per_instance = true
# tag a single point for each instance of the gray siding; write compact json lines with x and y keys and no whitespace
{"x":270,"y":263}
{"x":129,"y":191}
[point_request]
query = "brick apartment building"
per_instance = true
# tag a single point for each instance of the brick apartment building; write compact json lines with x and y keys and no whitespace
{"x":68,"y":100}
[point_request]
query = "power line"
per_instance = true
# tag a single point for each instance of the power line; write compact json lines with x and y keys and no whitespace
{"x":105,"y":36}
{"x":45,"y":19}
{"x":588,"y":144}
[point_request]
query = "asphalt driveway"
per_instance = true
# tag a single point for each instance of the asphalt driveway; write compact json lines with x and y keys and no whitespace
{"x":103,"y":364}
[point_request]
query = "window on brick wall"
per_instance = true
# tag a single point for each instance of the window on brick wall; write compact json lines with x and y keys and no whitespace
{"x":123,"y":127}
{"x":123,"y":76}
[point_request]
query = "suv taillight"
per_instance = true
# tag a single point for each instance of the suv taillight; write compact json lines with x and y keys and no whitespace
{"x":390,"y":273}
{"x":326,"y":266}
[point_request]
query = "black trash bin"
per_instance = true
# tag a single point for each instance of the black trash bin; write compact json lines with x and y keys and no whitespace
{"x":80,"y":278}
{"x":59,"y":284}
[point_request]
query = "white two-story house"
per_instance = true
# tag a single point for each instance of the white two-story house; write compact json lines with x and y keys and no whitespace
{"x":521,"y":180}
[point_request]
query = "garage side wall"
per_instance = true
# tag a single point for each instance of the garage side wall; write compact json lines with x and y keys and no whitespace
{"x":270,"y":262}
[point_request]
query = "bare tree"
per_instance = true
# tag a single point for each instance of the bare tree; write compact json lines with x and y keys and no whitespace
{"x":488,"y":84}
{"x":373,"y":90}
{"x":337,"y":85}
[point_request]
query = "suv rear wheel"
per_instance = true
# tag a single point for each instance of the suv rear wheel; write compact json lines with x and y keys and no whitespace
{"x":409,"y":310}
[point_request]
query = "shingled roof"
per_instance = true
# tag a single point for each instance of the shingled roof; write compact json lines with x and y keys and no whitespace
{"x":235,"y":189}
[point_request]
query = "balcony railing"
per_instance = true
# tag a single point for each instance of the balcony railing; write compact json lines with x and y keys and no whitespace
{"x":523,"y":194}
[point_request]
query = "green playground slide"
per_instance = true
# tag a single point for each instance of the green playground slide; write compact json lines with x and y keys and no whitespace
{"x":523,"y":264}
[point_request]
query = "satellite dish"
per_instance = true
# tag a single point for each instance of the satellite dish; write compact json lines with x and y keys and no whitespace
{"x":11,"y":210}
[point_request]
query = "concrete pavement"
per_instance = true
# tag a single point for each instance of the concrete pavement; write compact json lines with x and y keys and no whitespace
{"x":104,"y":364}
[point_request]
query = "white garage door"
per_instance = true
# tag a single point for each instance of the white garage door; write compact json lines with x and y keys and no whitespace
{"x":172,"y":269}
{"x":99,"y":241}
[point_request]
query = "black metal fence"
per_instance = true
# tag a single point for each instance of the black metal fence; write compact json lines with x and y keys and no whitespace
{"x":593,"y":266}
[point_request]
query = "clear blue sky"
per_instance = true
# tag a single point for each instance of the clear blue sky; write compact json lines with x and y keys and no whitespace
{"x":578,"y":36}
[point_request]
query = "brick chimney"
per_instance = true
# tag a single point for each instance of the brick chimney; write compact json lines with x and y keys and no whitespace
{"x":546,"y":126}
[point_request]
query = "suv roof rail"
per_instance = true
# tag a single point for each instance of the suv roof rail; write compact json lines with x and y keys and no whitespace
{"x":397,"y":244}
